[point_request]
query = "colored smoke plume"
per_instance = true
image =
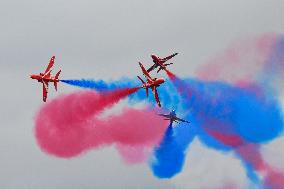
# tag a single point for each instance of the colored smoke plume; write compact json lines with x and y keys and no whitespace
{"x":228,"y":106}
{"x":241,"y":114}
{"x":243,"y":60}
{"x":69,"y":125}
{"x":250,"y":154}
{"x":170,"y":74}
{"x":168,"y":157}
{"x":93,"y":84}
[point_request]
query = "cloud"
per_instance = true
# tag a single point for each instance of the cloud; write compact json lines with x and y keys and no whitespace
{"x":206,"y":168}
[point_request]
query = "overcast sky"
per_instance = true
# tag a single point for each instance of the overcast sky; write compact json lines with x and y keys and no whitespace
{"x":104,"y":40}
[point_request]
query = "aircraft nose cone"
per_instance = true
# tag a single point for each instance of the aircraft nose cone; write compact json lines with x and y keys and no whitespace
{"x":160,"y":80}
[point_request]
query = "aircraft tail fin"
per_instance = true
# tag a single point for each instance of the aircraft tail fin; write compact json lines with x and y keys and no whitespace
{"x":55,"y":85}
{"x":56,"y":79}
{"x":143,"y":82}
{"x":145,"y":71}
{"x":159,"y":69}
{"x":167,"y":64}
{"x":57,"y":74}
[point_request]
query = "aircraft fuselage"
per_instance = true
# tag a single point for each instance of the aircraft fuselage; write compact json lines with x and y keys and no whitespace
{"x":154,"y":83}
{"x":157,"y":60}
{"x":40,"y":78}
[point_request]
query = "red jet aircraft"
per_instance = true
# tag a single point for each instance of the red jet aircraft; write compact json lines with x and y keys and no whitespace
{"x":45,"y":78}
{"x":160,"y":62}
{"x":152,"y":83}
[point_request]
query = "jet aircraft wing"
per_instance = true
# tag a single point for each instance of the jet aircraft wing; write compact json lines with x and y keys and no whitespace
{"x":145,"y":71}
{"x":157,"y":96}
{"x":152,"y":67}
{"x":169,"y":57}
{"x":182,"y":120}
{"x":51,"y":63}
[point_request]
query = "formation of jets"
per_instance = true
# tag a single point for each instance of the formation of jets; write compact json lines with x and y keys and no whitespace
{"x":151,"y":83}
{"x":156,"y":82}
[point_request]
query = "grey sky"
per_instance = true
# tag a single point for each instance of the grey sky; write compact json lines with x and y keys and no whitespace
{"x":103,"y":39}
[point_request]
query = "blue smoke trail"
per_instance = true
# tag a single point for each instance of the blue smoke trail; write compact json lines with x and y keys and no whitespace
{"x":167,"y":92}
{"x":99,"y":85}
{"x":169,"y":156}
{"x":234,"y":110}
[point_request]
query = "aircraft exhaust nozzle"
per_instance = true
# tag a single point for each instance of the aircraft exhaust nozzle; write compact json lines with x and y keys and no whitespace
{"x":55,"y":85}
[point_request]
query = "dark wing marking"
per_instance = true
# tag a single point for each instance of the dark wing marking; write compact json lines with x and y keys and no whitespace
{"x":182,"y":120}
{"x":152,"y":68}
{"x":169,"y":57}
{"x":161,"y":68}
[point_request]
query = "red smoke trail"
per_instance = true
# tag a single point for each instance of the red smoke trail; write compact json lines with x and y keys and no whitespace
{"x":118,"y":94}
{"x":242,"y":61}
{"x":134,"y":153}
{"x":250,"y":153}
{"x":227,"y":139}
{"x":177,"y":81}
{"x":179,"y":84}
{"x":69,"y":125}
{"x":171,"y":75}
{"x":274,"y":180}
